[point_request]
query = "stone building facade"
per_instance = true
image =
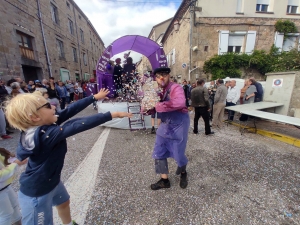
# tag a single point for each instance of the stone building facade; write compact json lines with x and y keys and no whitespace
{"x":156,"y":35}
{"x":47,"y":38}
{"x":225,"y":26}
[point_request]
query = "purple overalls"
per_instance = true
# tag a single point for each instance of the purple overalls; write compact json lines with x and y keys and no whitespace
{"x":172,"y":134}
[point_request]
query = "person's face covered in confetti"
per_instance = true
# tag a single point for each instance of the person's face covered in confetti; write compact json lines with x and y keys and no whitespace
{"x":162,"y":79}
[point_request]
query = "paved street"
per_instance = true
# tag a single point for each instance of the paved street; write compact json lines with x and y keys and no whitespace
{"x":233,"y":179}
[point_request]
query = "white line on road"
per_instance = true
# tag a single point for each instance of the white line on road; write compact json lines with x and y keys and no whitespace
{"x":81,"y":184}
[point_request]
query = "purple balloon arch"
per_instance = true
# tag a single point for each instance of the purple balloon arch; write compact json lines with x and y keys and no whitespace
{"x":140,"y":44}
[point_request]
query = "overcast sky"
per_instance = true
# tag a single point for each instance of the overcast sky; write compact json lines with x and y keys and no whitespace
{"x":113,"y":19}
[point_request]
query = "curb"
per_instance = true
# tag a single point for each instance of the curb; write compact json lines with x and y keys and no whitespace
{"x":277,"y":136}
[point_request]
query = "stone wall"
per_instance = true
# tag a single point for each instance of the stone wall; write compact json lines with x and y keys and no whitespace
{"x":180,"y":42}
{"x":295,"y":100}
{"x":21,"y":16}
{"x":206,"y":38}
{"x":155,"y":32}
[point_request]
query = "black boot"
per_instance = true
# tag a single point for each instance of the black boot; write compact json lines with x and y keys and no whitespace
{"x":162,"y":183}
{"x":153,"y":130}
{"x":183,"y":180}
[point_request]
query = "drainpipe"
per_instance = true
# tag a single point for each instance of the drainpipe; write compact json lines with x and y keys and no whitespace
{"x":44,"y":39}
{"x":191,"y":35}
{"x":78,"y":46}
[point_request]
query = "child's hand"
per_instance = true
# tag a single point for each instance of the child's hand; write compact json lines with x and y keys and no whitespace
{"x":101,"y":94}
{"x":20,"y":163}
{"x":121,"y":114}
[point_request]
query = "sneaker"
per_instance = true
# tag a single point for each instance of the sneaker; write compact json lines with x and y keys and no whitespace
{"x":183,"y":180}
{"x":210,"y":133}
{"x":160,"y":184}
{"x":153,"y":130}
{"x":6,"y":136}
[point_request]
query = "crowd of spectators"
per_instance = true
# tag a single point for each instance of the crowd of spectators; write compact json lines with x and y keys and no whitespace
{"x":210,"y":102}
{"x":58,"y":93}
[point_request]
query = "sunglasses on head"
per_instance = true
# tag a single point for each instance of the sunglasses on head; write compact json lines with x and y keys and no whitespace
{"x":46,"y":105}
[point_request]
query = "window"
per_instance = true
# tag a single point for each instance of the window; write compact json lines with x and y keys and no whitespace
{"x":24,"y":40}
{"x":60,"y":47}
{"x":84,"y":59}
{"x":74,"y":50}
{"x":68,"y":5}
{"x":261,"y":8}
{"x":206,"y":48}
{"x":25,"y":44}
{"x":81,"y":36}
{"x":54,"y":14}
{"x":292,"y":6}
{"x":91,"y":44}
{"x":292,"y":9}
{"x":71,"y":29}
{"x":235,"y":43}
{"x":285,"y":44}
{"x":239,"y":41}
{"x":263,"y":5}
{"x":289,"y":43}
{"x":79,"y":17}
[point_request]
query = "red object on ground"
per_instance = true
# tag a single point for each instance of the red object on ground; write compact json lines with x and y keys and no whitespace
{"x":6,"y":136}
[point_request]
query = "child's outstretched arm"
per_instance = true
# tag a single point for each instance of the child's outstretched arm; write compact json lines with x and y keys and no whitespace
{"x":55,"y":134}
{"x":80,"y":105}
{"x":7,"y":172}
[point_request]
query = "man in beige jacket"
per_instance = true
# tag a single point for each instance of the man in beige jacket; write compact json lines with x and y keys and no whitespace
{"x":219,"y":104}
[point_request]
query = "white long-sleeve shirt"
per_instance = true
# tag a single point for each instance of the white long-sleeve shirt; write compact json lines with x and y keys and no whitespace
{"x":233,"y":94}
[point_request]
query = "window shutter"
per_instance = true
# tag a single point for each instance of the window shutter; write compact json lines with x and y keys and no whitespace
{"x":278,"y":42}
{"x":173,"y":57}
{"x":250,"y":43}
{"x":223,"y":41}
{"x":239,"y":6}
{"x":236,"y":40}
{"x":263,"y":2}
{"x":293,"y":2}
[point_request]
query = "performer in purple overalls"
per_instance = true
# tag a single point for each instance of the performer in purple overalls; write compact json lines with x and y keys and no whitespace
{"x":172,"y":134}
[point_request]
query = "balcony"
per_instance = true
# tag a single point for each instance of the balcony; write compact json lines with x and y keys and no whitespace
{"x":26,"y":52}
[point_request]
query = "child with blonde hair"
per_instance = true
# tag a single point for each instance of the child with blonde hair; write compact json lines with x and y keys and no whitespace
{"x":43,"y":142}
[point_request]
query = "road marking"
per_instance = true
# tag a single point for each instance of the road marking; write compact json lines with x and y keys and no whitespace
{"x":81,"y":183}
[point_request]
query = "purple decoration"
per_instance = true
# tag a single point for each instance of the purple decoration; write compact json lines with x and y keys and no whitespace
{"x":91,"y":89}
{"x":108,"y":83}
{"x":140,"y":44}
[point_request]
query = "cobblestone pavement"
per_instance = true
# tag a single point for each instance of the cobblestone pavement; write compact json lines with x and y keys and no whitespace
{"x":233,"y":179}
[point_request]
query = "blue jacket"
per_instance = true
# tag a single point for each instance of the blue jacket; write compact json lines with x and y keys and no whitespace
{"x":60,"y":93}
{"x":260,"y":91}
{"x":46,"y":147}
